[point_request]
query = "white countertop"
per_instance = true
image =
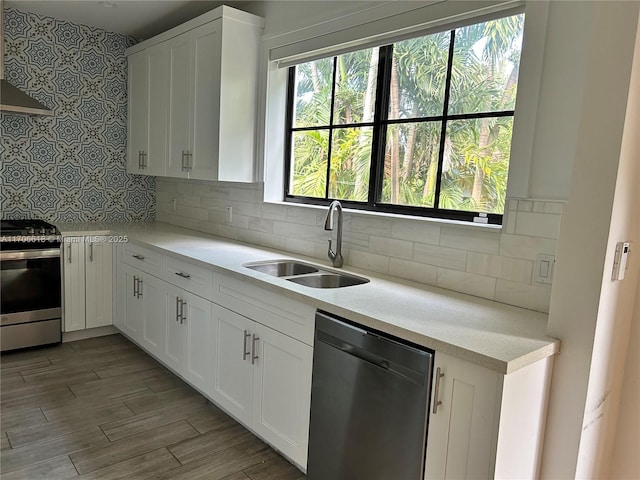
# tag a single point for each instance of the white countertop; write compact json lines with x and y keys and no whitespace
{"x":490,"y":334}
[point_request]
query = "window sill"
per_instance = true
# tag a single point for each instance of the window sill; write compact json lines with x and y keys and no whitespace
{"x":393,"y":216}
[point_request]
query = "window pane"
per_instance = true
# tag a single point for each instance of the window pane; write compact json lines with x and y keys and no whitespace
{"x":486,"y":61}
{"x":350,"y":163}
{"x":309,"y":163}
{"x":356,"y":79}
{"x":313,"y":93}
{"x":476,"y":163}
{"x":418,"y":77}
{"x":411,"y":164}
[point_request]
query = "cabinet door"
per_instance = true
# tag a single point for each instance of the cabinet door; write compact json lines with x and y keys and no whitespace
{"x":74,"y":284}
{"x":132,"y":314}
{"x":159,"y":75}
{"x":462,"y":435}
{"x":205,"y":59}
{"x":197,"y":326}
{"x":233,"y":372}
{"x":152,"y":291}
{"x":282,"y":386}
{"x":138,"y":119}
{"x":174,"y":330}
{"x":99,"y":283}
{"x":179,"y":105}
{"x":120,"y":288}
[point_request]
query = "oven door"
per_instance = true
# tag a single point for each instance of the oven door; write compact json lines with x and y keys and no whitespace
{"x":30,"y":285}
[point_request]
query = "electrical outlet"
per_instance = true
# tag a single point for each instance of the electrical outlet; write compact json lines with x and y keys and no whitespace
{"x":543,"y":268}
{"x":229,"y":214}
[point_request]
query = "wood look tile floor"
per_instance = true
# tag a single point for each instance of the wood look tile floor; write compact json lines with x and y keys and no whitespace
{"x":103,"y":409}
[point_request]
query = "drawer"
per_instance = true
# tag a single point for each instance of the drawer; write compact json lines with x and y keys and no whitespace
{"x":142,"y":258}
{"x":278,"y":312}
{"x":189,"y":277}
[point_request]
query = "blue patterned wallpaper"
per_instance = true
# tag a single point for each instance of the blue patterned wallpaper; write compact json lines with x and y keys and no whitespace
{"x":71,"y":166}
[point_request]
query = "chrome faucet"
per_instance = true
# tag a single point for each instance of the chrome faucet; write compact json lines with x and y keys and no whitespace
{"x":335,"y":257}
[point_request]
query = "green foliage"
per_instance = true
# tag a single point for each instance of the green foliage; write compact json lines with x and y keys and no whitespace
{"x":476,"y":154}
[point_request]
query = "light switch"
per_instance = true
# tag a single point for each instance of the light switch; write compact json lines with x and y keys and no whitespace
{"x":543,"y":268}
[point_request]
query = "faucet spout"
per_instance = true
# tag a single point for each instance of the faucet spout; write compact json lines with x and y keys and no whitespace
{"x":335,"y":256}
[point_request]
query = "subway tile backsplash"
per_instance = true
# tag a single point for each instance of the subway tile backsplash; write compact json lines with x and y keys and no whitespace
{"x":494,"y":264}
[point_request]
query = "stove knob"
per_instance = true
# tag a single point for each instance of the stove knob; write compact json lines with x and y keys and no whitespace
{"x":43,"y":231}
{"x":31,"y":231}
{"x":53,"y":231}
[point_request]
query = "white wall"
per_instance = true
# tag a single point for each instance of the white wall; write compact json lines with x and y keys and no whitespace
{"x":625,"y":463}
{"x":617,"y":301}
{"x":599,"y":212}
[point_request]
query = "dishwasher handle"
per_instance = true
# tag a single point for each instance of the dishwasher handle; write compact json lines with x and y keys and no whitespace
{"x":419,"y":378}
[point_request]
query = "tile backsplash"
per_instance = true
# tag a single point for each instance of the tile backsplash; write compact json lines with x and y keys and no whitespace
{"x":485,"y":262}
{"x":69,"y":166}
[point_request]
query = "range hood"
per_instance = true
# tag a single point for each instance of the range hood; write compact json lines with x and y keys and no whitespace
{"x":13,"y":99}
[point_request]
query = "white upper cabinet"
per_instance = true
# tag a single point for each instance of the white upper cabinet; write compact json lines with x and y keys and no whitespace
{"x":200,"y":98}
{"x":138,"y":118}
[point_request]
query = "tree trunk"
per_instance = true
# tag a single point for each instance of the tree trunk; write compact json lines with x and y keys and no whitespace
{"x":361,"y":187}
{"x":407,"y":162}
{"x":314,"y":78}
{"x":394,"y":147}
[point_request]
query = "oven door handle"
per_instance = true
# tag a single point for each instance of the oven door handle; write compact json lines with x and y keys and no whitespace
{"x":30,"y":254}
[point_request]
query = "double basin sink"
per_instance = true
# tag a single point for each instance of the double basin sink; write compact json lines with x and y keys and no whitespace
{"x":305,"y":274}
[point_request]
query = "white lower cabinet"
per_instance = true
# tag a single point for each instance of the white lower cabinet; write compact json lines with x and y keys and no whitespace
{"x":187,"y":347}
{"x":461,"y":427}
{"x":263,"y":378}
{"x":282,"y":392}
{"x":484,"y":424}
{"x":88,"y":280}
{"x":233,"y":371}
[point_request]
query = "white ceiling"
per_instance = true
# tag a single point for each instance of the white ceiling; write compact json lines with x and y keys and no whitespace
{"x":140,"y":18}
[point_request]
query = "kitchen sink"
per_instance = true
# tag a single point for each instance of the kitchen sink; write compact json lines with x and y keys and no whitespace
{"x":328,"y":280}
{"x":304,"y":274}
{"x":282,"y":268}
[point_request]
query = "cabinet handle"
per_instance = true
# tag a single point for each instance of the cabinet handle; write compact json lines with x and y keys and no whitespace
{"x":139,"y":288}
{"x":138,"y":257}
{"x":183,"y":275}
{"x":69,"y":247}
{"x":189,"y":160}
{"x":177,"y":309}
{"x":135,"y":286}
{"x":91,"y":252}
{"x":183,"y":317}
{"x":245,"y":353}
{"x":254,"y":357}
{"x":144,"y":159}
{"x":184,"y":165}
{"x":140,"y":159}
{"x":436,"y":393}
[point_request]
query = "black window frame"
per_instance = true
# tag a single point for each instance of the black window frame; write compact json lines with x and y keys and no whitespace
{"x":379,"y":124}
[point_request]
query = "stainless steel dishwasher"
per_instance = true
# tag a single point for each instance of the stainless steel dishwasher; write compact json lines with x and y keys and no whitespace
{"x":369,"y":405}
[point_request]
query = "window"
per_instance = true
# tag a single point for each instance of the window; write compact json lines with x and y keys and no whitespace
{"x":419,"y":127}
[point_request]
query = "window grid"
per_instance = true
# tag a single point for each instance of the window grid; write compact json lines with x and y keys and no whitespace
{"x":378,"y":147}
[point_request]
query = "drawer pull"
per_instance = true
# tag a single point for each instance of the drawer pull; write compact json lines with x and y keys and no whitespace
{"x":245,"y":353}
{"x":254,"y":357}
{"x":436,"y":393}
{"x":183,"y":275}
{"x":138,"y":257}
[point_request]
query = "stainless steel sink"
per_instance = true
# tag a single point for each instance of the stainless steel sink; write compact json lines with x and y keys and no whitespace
{"x":328,"y":280}
{"x":282,"y":268}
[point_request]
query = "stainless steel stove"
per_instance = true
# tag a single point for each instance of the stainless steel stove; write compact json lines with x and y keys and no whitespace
{"x":30,"y":284}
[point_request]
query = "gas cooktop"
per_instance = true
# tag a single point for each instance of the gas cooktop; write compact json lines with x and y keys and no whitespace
{"x":28,"y":231}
